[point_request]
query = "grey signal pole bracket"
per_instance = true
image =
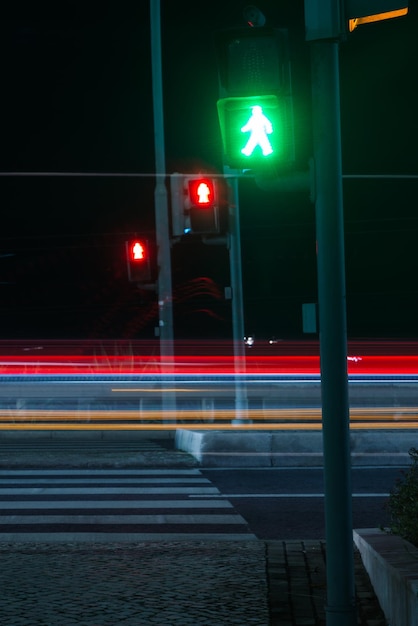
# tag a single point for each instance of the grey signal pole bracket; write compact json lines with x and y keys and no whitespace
{"x":147,"y":286}
{"x":216,"y":240}
{"x":291,"y":181}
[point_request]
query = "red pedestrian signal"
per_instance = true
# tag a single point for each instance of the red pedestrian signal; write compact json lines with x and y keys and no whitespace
{"x":201,"y":204}
{"x":137,"y":251}
{"x":202,"y":192}
{"x":195,"y":204}
{"x":138,"y":260}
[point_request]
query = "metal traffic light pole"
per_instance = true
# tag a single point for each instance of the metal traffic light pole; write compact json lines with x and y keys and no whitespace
{"x":340,"y":606}
{"x":326,"y":24}
{"x":237,"y":304}
{"x":164,"y":288}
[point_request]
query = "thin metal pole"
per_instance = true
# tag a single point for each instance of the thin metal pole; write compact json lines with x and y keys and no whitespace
{"x":165,"y":304}
{"x":340,"y":608}
{"x":235,"y":263}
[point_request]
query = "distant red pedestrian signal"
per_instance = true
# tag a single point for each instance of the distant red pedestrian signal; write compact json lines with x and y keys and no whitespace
{"x":137,"y":251}
{"x":202,"y":192}
{"x":138,"y":260}
{"x":195,"y":203}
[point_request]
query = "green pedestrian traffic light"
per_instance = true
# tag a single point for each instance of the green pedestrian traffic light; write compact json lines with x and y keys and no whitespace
{"x":259,"y":126}
{"x":255,"y":107}
{"x":255,"y":131}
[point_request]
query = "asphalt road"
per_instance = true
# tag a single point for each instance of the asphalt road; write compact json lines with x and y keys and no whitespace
{"x":276,"y":503}
{"x":289,"y":503}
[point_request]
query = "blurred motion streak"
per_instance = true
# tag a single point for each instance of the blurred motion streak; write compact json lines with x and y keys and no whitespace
{"x":202,"y":365}
{"x":266,"y":419}
{"x":119,"y":385}
{"x":92,"y":358}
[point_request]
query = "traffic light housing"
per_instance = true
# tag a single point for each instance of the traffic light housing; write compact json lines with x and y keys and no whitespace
{"x":138,"y":260}
{"x":255,"y":108}
{"x":195,"y":204}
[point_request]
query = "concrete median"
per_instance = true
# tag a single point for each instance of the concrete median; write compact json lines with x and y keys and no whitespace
{"x":301,"y":448}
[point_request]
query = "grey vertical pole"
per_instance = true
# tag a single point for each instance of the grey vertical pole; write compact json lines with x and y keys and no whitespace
{"x":340,"y":609}
{"x":241,"y":400}
{"x":165,"y":304}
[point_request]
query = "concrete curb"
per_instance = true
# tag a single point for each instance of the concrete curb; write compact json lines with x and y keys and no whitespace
{"x":392,"y":565}
{"x":303,"y":448}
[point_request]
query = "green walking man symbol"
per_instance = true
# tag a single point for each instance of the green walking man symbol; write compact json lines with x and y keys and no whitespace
{"x":259,"y":126}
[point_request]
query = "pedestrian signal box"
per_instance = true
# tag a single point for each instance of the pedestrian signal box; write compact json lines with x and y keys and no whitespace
{"x":138,"y":260}
{"x":201,"y":204}
{"x":195,"y":204}
{"x":255,"y":108}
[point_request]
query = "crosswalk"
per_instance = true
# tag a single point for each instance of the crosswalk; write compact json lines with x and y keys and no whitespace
{"x":104,"y":505}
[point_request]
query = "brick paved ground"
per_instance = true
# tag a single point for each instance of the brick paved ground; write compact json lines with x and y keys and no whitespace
{"x":189,"y":583}
{"x":297,"y":586}
{"x":184,"y":583}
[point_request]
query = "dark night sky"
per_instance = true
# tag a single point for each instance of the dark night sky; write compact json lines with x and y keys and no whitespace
{"x":76,"y":97}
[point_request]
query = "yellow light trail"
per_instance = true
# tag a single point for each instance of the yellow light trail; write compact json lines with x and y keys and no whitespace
{"x":263,"y":419}
{"x":235,"y":427}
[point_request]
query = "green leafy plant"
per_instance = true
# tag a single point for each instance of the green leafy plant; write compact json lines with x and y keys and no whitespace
{"x":403,"y":502}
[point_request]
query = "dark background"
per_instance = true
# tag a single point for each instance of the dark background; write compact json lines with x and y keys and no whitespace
{"x":77,"y":97}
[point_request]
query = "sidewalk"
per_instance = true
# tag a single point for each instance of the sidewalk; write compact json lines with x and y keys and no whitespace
{"x":263,"y":583}
{"x":192,"y":583}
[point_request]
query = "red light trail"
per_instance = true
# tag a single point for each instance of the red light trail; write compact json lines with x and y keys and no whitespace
{"x":63,"y":365}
